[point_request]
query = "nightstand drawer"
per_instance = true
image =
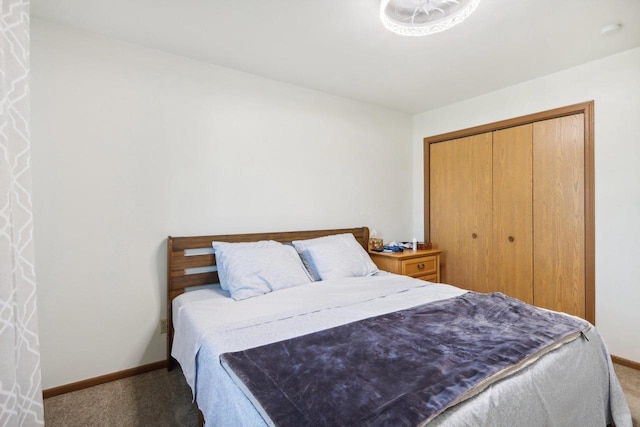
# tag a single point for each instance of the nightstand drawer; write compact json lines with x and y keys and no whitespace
{"x":420,"y":266}
{"x":429,"y":277}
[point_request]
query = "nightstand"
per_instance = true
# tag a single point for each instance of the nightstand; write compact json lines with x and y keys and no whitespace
{"x":421,"y":264}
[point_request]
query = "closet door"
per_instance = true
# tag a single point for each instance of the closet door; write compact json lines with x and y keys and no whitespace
{"x":460,"y":215}
{"x":559,"y":214}
{"x":512,"y":266}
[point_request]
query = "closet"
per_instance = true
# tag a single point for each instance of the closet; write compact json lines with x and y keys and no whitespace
{"x":510,"y":205}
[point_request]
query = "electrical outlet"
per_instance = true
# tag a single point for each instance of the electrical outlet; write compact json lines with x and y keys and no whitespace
{"x":163,"y":326}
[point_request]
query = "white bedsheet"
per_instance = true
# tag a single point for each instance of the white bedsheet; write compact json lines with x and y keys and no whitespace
{"x":207,"y":324}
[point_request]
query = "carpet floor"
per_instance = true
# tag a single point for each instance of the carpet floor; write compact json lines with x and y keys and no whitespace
{"x":163,"y":399}
{"x":630,"y":380}
{"x":158,"y":398}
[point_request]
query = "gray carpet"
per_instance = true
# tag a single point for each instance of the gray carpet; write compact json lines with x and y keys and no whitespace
{"x":630,"y":380}
{"x":158,"y":398}
{"x":162,"y":398}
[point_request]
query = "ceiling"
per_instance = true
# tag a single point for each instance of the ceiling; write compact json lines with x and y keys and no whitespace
{"x":340,"y":46}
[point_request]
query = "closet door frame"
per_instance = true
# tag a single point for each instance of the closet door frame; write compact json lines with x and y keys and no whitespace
{"x":585,"y":108}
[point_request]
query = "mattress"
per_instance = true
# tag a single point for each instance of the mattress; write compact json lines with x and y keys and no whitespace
{"x":572,"y":385}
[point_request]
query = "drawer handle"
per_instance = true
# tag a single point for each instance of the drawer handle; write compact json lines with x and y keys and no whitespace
{"x":511,"y":239}
{"x":474,"y":235}
{"x":420,"y":266}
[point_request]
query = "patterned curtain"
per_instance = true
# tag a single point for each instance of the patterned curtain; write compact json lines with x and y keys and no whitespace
{"x":20,"y":384}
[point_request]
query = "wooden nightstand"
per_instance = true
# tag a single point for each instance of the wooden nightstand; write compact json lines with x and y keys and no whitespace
{"x":424,"y":264}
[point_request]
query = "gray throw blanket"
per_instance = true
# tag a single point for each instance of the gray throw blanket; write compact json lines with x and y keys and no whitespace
{"x":401,"y":368}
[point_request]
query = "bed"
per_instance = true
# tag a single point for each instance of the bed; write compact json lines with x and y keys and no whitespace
{"x":219,"y":336}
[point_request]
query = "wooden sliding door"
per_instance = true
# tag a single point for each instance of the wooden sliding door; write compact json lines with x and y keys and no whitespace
{"x":461,"y":209}
{"x":559,"y":214}
{"x":512,"y":249}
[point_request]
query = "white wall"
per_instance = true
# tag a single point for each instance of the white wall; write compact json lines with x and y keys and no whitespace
{"x":130,"y":145}
{"x":614,"y":84}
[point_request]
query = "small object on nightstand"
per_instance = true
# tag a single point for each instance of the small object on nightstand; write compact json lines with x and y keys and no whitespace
{"x":375,"y":244}
{"x":424,"y":245}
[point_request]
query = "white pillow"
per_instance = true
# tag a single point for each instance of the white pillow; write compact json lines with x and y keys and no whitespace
{"x":251,"y":271}
{"x":334,"y":257}
{"x":220,"y":246}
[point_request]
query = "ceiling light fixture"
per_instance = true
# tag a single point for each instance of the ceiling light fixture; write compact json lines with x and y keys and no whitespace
{"x":423,"y":17}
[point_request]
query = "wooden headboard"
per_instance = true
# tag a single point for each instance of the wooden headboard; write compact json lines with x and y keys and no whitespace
{"x":191,"y":261}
